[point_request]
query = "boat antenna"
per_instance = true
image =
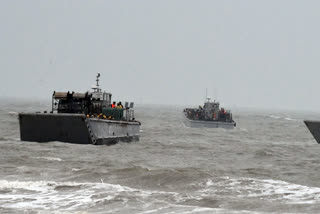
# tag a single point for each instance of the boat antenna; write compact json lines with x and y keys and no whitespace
{"x":215,"y":93}
{"x":96,"y":87}
{"x":98,"y":75}
{"x":205,"y":99}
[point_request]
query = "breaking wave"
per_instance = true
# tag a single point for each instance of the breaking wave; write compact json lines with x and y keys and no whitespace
{"x":274,"y":117}
{"x":50,"y":158}
{"x":290,"y":119}
{"x":271,"y":190}
{"x":9,"y":139}
{"x":282,"y":118}
{"x":71,"y":196}
{"x":13,"y":113}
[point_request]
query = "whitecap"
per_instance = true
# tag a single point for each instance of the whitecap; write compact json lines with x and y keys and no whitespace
{"x":50,"y":158}
{"x":290,"y":119}
{"x":13,"y":113}
{"x":266,"y":189}
{"x":73,"y":196}
{"x":48,"y":195}
{"x":274,"y":117}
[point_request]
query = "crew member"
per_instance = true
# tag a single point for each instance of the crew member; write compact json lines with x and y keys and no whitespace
{"x":119,"y":105}
{"x":113,"y":105}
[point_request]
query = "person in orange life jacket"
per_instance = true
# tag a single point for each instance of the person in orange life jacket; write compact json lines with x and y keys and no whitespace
{"x":113,"y":105}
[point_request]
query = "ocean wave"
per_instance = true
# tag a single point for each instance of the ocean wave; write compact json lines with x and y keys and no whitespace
{"x":9,"y":139}
{"x":13,"y":113}
{"x":76,"y":169}
{"x":51,"y":195}
{"x":281,"y":118}
{"x":50,"y":158}
{"x":290,"y":119}
{"x":267,"y":189}
{"x":71,"y":196}
{"x":274,"y":117}
{"x":244,"y":130}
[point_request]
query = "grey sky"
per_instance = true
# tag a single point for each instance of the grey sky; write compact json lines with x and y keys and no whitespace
{"x":248,"y":53}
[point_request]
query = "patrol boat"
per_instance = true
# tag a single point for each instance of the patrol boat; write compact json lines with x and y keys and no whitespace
{"x":314,"y":128}
{"x":81,"y":118}
{"x":210,"y":116}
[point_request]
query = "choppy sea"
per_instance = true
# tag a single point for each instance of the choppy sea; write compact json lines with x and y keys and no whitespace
{"x":268,"y":164}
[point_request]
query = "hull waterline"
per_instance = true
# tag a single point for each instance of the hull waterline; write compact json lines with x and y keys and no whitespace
{"x":208,"y":124}
{"x":75,"y":128}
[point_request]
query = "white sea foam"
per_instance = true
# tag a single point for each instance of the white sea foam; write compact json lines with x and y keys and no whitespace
{"x":290,"y":119}
{"x":274,"y":117}
{"x":264,"y":189}
{"x":50,"y":158}
{"x":13,"y":113}
{"x":51,"y":195}
{"x":283,"y":118}
{"x":68,"y":195}
{"x":9,"y":139}
{"x":71,"y":196}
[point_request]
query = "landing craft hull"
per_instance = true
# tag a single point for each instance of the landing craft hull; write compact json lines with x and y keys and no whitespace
{"x":75,"y":128}
{"x":208,"y":124}
{"x":314,"y":128}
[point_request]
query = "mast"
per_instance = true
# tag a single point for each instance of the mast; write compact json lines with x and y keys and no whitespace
{"x":96,"y":87}
{"x":205,"y":99}
{"x":98,"y":75}
{"x":206,"y":93}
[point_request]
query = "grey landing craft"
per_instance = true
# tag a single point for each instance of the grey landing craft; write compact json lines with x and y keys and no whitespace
{"x":82,"y":118}
{"x":314,"y":128}
{"x":209,"y":116}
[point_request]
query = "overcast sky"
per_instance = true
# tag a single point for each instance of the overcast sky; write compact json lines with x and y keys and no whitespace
{"x":247,"y":53}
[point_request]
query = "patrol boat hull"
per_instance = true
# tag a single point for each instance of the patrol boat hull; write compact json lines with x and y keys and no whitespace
{"x":314,"y":128}
{"x":75,"y":128}
{"x":208,"y":124}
